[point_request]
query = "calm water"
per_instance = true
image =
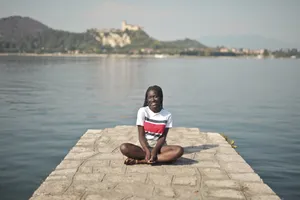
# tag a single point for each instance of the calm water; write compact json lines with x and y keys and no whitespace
{"x":46,"y":104}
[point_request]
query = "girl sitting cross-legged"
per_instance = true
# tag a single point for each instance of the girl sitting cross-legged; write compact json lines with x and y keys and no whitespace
{"x":153,"y":123}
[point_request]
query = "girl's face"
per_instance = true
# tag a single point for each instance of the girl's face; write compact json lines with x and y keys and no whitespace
{"x":154,"y":101}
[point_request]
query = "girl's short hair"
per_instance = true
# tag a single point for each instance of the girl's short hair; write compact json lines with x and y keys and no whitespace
{"x":159,"y":92}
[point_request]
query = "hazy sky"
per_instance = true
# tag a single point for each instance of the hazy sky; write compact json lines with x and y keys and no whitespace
{"x":168,"y":19}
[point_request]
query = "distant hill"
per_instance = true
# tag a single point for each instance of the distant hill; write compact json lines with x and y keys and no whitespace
{"x":17,"y":27}
{"x":23,"y":34}
{"x":185,"y":43}
{"x":246,"y":41}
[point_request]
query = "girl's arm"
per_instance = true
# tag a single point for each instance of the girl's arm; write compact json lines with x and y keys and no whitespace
{"x":140,"y":124}
{"x":143,"y":142}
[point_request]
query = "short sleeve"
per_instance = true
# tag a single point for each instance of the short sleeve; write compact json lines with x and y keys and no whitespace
{"x":140,"y":117}
{"x":169,"y":122}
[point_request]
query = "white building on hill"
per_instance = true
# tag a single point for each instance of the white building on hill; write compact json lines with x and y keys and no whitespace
{"x":130,"y":27}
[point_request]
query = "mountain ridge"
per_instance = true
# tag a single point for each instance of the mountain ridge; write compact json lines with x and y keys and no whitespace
{"x":16,"y":27}
{"x":24,"y":34}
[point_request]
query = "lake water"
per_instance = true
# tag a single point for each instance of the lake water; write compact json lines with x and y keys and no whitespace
{"x":46,"y":104}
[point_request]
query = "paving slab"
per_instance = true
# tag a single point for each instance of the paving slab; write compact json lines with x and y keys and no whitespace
{"x":209,"y":170}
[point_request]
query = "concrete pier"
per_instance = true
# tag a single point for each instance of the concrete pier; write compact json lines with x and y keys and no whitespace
{"x":210,"y":169}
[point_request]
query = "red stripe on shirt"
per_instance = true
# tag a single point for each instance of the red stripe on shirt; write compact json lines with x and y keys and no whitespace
{"x":154,"y":128}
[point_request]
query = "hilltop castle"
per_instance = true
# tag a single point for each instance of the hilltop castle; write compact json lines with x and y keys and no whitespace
{"x":130,"y":27}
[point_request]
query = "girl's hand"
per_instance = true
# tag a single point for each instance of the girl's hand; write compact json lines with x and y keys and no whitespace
{"x":153,"y":158}
{"x":148,"y":155}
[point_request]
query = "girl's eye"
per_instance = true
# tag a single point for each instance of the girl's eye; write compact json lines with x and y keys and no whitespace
{"x":153,"y":97}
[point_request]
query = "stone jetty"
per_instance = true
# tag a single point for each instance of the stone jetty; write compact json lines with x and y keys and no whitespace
{"x":210,"y":169}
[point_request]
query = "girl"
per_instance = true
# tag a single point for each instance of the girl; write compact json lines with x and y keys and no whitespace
{"x":153,"y":123}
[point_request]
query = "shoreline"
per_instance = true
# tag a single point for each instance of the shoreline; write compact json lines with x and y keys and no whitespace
{"x":88,"y":55}
{"x":130,"y":56}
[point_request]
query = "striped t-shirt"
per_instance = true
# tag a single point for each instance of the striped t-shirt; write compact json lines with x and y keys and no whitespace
{"x":154,"y":123}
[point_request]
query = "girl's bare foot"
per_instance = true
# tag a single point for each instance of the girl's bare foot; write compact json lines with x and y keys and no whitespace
{"x":131,"y":161}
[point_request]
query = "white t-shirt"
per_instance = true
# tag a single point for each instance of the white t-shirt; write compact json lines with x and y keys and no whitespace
{"x":154,"y":123}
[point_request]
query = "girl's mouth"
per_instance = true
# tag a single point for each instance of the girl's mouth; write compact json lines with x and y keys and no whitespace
{"x":154,"y":104}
